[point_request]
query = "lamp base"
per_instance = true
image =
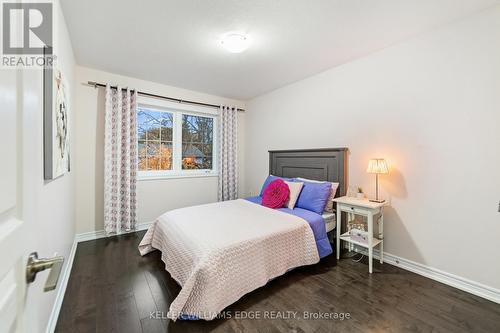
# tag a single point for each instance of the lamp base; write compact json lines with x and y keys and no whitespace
{"x":377,"y":200}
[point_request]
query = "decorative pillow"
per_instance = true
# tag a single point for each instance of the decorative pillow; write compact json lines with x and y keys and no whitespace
{"x":295,"y":188}
{"x":314,"y":196}
{"x":335,"y":186}
{"x":276,"y":194}
{"x":269,"y":179}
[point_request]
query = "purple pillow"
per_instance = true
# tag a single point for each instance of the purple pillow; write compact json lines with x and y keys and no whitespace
{"x":314,"y":196}
{"x":269,"y":179}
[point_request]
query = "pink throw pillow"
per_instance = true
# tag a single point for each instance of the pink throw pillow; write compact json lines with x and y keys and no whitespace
{"x":275,"y":194}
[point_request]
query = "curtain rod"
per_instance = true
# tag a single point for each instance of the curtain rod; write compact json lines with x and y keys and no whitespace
{"x":96,"y":84}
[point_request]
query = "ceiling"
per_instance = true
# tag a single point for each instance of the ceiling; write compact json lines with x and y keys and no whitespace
{"x":175,"y":42}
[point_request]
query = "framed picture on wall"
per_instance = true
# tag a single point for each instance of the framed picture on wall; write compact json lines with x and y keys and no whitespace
{"x":56,"y":123}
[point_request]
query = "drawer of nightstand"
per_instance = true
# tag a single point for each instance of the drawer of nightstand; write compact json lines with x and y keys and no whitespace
{"x":354,"y":210}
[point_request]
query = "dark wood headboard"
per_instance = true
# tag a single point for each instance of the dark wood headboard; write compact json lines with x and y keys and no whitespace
{"x":327,"y":164}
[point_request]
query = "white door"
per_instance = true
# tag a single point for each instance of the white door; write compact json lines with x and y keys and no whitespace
{"x":20,"y":113}
{"x":17,"y":201}
{"x":14,"y":232}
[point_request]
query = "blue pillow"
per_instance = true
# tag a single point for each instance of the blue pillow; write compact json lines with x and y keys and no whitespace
{"x":269,"y":179}
{"x":314,"y":196}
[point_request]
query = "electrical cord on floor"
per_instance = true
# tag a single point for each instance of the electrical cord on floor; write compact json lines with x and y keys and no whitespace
{"x":351,"y":255}
{"x":360,"y":258}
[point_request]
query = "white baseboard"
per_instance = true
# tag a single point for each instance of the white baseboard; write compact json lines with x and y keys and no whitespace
{"x":56,"y":308}
{"x":435,"y":274}
{"x":91,"y":235}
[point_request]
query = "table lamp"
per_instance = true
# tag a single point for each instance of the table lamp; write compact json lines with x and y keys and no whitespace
{"x":377,"y":166}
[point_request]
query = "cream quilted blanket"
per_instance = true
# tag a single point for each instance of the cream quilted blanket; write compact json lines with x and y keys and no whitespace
{"x":221,"y":251}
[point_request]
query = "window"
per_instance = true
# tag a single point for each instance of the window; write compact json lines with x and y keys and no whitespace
{"x":155,"y":135}
{"x":197,"y":142}
{"x":174,"y":143}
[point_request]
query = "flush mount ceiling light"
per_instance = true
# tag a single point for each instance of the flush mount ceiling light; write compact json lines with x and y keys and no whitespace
{"x":235,"y":43}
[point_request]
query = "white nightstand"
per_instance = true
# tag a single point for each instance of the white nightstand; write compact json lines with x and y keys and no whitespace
{"x":370,"y":210}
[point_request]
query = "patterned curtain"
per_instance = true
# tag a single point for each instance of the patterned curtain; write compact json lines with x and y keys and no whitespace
{"x":228,"y":158}
{"x":120,"y":161}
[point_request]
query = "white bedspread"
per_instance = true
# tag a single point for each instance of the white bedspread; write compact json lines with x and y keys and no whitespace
{"x":221,"y":251}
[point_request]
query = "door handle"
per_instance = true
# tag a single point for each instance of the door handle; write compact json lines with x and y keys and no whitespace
{"x":36,"y":265}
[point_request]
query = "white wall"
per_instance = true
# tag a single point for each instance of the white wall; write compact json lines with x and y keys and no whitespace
{"x":154,"y":196}
{"x":51,"y":203}
{"x":431,"y":107}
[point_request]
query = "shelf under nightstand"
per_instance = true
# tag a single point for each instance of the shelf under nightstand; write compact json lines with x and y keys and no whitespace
{"x":347,"y":238}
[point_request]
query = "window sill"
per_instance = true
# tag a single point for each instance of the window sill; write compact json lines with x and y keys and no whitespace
{"x":176,"y":176}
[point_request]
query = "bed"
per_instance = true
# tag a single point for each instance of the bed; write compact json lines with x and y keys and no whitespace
{"x":320,"y":225}
{"x":221,"y":251}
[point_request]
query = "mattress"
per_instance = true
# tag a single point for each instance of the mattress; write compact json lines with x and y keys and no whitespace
{"x":330,"y":221}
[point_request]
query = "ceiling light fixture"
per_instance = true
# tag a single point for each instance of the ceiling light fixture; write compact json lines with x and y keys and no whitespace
{"x":235,"y":43}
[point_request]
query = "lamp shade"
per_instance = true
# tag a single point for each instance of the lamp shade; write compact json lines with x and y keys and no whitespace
{"x":377,"y":165}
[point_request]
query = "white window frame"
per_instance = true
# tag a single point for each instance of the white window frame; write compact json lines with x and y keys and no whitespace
{"x":178,"y":110}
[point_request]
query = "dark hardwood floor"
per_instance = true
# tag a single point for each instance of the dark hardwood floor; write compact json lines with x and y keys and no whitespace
{"x":113,"y":289}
